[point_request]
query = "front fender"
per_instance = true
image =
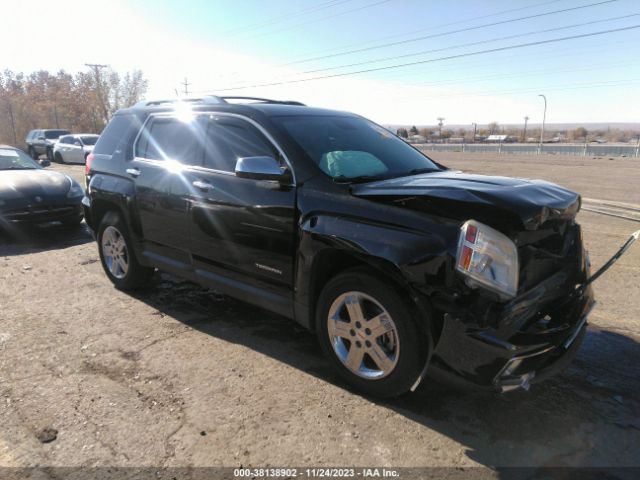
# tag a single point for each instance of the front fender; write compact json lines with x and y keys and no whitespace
{"x":330,"y":243}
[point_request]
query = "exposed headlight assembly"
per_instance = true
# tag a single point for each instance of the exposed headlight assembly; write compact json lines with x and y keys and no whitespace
{"x":488,"y":258}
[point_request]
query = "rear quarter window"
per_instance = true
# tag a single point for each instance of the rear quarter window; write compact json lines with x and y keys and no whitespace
{"x":119,"y":135}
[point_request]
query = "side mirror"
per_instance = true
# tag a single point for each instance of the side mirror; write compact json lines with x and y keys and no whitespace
{"x":44,"y":162}
{"x":261,"y":168}
{"x":40,"y":138}
{"x":77,"y":143}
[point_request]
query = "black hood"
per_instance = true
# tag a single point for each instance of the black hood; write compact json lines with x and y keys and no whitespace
{"x":492,"y":200}
{"x":20,"y":188}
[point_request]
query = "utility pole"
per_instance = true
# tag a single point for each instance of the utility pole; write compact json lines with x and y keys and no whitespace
{"x":96,"y":70}
{"x":13,"y":123}
{"x":186,"y":86}
{"x":475,"y":128}
{"x":544,"y":117}
{"x":524,"y":135}
{"x":440,"y":123}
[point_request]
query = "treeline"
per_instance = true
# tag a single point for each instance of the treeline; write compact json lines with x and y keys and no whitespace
{"x":577,"y":135}
{"x":82,"y":102}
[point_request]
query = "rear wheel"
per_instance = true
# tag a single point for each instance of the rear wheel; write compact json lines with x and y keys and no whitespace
{"x":33,"y":153}
{"x":117,"y":255}
{"x":369,"y":334}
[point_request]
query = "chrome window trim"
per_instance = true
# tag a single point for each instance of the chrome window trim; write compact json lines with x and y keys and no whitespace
{"x":260,"y":128}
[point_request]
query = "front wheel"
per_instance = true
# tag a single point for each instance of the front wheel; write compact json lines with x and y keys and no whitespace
{"x":33,"y":153}
{"x":369,"y":334}
{"x":50,"y":154}
{"x":117,"y":255}
{"x":58,"y":157}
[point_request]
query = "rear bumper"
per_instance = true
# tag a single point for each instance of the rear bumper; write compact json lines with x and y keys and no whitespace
{"x":86,"y":207}
{"x":532,"y":338}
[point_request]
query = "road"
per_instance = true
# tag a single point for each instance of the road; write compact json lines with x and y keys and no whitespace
{"x":179,"y":375}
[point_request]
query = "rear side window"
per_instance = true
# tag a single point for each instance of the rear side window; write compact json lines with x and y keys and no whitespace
{"x":118,"y":134}
{"x":231,"y":138}
{"x":172,"y":139}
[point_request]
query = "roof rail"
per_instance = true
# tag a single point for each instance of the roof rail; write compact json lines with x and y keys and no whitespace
{"x":207,"y":99}
{"x":212,"y":99}
{"x":265,"y":100}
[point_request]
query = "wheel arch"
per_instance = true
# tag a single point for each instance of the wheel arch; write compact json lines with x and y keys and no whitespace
{"x":325,"y":254}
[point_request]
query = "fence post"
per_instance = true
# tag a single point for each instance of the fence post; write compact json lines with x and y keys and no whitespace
{"x":500,"y":147}
{"x":638,"y":147}
{"x":584,"y":150}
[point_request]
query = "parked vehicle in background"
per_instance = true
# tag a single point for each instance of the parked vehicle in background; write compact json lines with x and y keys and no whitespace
{"x":400,"y":265}
{"x":74,"y":148}
{"x":41,"y":142}
{"x":31,"y":194}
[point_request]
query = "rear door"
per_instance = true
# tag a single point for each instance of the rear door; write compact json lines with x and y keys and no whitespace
{"x":164,"y":147}
{"x":76,"y":152}
{"x":240,"y":228}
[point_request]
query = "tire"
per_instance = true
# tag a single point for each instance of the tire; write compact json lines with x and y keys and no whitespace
{"x":117,"y":255}
{"x":33,"y":153}
{"x":50,"y":154}
{"x":352,"y":341}
{"x":58,"y":157}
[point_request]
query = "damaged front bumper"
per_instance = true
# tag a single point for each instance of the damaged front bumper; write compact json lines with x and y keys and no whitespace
{"x":537,"y":335}
{"x":526,"y":340}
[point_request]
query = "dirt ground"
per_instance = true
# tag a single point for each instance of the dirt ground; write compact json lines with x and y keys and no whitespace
{"x":179,"y":375}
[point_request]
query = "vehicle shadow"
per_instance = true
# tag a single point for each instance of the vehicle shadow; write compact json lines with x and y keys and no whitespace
{"x":585,"y":417}
{"x":17,"y":240}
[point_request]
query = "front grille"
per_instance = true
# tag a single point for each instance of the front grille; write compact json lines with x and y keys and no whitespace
{"x":39,"y":213}
{"x":553,"y":247}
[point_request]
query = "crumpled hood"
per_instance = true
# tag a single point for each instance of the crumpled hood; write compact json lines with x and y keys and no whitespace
{"x":461,"y":195}
{"x":32,"y":187}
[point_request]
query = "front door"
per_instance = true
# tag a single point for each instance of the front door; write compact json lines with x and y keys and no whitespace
{"x":241,"y":229}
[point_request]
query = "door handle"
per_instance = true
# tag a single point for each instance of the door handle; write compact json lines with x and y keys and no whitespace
{"x":134,"y":172}
{"x":202,"y":185}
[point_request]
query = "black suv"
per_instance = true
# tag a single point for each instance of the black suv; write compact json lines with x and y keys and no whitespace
{"x":40,"y":142}
{"x":399,"y":264}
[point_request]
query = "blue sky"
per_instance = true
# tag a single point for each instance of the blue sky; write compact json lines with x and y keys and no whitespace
{"x":221,"y":45}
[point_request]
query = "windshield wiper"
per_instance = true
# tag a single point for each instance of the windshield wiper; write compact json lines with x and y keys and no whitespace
{"x":359,"y":178}
{"x":416,"y":171}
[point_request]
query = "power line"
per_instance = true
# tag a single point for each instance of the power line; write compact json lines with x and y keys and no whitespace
{"x":450,"y":57}
{"x":279,"y":18}
{"x":450,"y":32}
{"x":430,"y":28}
{"x":325,"y":18}
{"x":536,"y":32}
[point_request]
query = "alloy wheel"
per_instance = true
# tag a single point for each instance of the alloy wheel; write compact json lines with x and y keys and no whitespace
{"x":363,"y":335}
{"x":115,"y":252}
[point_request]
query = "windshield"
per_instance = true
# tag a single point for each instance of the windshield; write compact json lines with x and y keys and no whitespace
{"x":89,"y":139}
{"x":51,"y":134}
{"x":352,"y":148}
{"x":11,"y":159}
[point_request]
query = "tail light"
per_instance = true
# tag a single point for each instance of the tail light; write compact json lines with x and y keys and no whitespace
{"x":87,"y":164}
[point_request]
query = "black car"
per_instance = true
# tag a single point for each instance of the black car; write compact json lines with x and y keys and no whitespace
{"x":41,"y":142}
{"x":31,"y":194}
{"x":400,"y":265}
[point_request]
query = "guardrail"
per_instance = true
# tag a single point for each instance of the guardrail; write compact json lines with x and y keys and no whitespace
{"x":532,"y":149}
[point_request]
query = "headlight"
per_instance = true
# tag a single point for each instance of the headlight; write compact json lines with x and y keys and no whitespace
{"x":75,"y":190}
{"x":488,"y":258}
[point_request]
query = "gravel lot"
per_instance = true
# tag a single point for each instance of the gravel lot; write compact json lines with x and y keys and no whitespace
{"x":179,"y":375}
